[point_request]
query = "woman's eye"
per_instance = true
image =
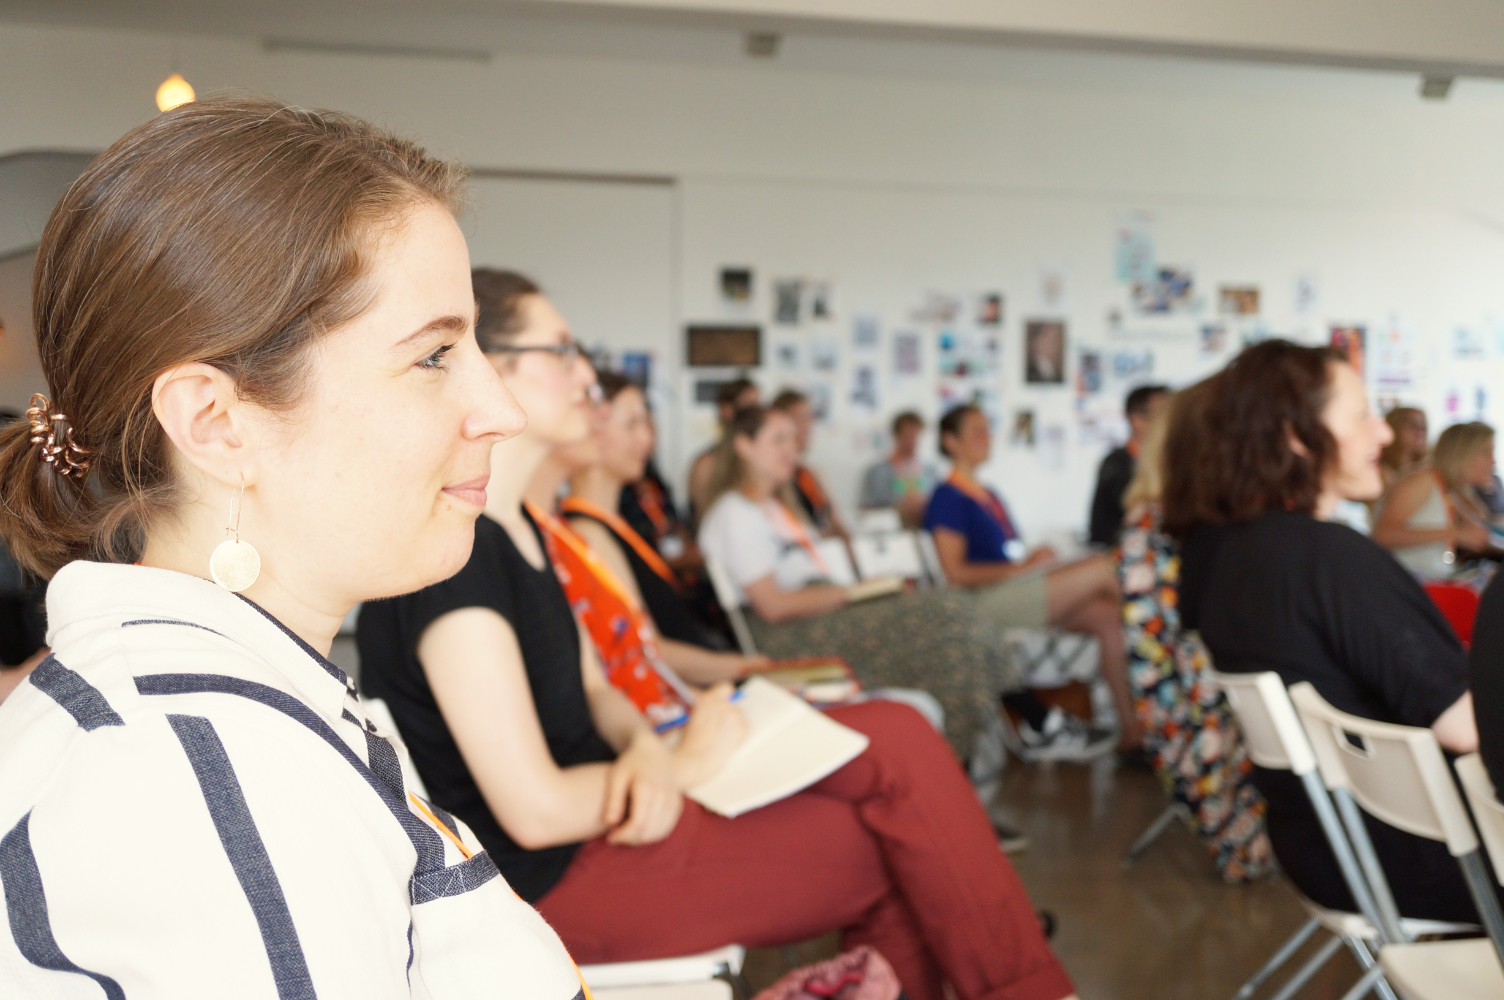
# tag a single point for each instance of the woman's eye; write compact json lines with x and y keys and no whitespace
{"x":435,"y":361}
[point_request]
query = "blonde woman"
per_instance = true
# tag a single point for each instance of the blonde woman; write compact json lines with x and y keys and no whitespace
{"x":1432,"y":514}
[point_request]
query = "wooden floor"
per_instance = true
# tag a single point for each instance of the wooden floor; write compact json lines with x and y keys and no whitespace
{"x":1165,"y":928}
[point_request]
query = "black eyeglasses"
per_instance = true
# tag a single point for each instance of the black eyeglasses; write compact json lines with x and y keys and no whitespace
{"x":567,"y":352}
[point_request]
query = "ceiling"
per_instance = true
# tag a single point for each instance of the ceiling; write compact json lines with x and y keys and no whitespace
{"x":1448,"y":37}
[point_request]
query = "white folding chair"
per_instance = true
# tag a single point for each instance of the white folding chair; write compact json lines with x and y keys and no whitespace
{"x":930,"y":557}
{"x":894,"y":553}
{"x":1399,"y":775}
{"x":1275,"y":740}
{"x":878,"y":521}
{"x":692,"y":977}
{"x":725,"y":595}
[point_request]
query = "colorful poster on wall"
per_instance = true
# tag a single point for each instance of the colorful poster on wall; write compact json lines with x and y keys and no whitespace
{"x":1171,"y":290}
{"x":1352,"y":341}
{"x":1044,"y":352}
{"x":638,"y":366}
{"x":1133,"y":250}
{"x":1022,"y":433}
{"x":1238,"y":300}
{"x":1213,"y":338}
{"x":1392,"y":354}
{"x":1089,"y":373}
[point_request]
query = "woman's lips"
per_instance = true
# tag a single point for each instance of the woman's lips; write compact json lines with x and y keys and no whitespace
{"x":472,"y":491}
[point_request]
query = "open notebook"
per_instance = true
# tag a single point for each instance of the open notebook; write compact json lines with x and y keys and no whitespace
{"x":789,"y":747}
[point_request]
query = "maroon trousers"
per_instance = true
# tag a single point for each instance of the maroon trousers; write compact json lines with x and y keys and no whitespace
{"x":893,"y":849}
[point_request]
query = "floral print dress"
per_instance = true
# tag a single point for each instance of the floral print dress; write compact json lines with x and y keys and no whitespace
{"x":1190,"y":731}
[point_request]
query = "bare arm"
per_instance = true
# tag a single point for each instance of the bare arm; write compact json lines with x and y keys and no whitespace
{"x":961,"y":572}
{"x":699,"y":482}
{"x":1404,"y":499}
{"x":774,"y":605}
{"x":1456,"y":729}
{"x":474,"y":666}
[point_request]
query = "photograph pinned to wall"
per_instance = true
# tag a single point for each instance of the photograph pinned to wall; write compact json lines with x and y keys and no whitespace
{"x":788,"y":356}
{"x":864,"y":394}
{"x":960,"y":353}
{"x":788,"y":301}
{"x":1213,"y":338}
{"x":907,"y":360}
{"x":1238,"y":300}
{"x":716,"y":345}
{"x":990,"y":309}
{"x":1392,"y":353}
{"x":1133,"y":249}
{"x":1254,"y":335}
{"x":1351,"y":341}
{"x":1051,"y":288}
{"x":825,"y":355}
{"x":1172,"y":290}
{"x":1051,"y":446}
{"x":1131,"y":366}
{"x":819,"y":393}
{"x":822,"y":301}
{"x":736,"y":285}
{"x":1044,"y":352}
{"x":1469,"y":344}
{"x":1307,"y":292}
{"x":865,"y":331}
{"x":938,"y":307}
{"x":638,"y":366}
{"x":1089,"y":374}
{"x":1022,"y":433}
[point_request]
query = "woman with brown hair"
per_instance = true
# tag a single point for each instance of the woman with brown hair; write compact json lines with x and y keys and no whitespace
{"x":1411,"y":445}
{"x":1432,"y":514}
{"x":256,"y":324}
{"x":513,"y":723}
{"x":1285,"y":435}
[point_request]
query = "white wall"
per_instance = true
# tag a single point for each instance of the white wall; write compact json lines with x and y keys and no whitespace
{"x":897,"y":170}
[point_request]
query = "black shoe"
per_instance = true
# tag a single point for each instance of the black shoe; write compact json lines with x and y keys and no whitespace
{"x":1009,"y":840}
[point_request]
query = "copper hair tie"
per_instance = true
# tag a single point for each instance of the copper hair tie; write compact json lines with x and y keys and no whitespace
{"x":53,"y":432}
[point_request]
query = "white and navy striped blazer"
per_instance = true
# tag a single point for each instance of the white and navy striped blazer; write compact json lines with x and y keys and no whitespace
{"x":194,"y":804}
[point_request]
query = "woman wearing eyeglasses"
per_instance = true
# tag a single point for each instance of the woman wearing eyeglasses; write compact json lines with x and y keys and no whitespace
{"x":513,"y":724}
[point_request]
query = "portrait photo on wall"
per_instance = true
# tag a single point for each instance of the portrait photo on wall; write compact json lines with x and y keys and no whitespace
{"x":1238,"y":300}
{"x":1022,"y":435}
{"x":736,"y":284}
{"x":1044,"y":352}
{"x":990,"y":309}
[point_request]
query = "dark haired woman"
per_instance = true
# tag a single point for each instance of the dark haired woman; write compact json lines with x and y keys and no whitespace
{"x":979,"y":547}
{"x":513,"y":724}
{"x":193,"y":800}
{"x":1287,"y":434}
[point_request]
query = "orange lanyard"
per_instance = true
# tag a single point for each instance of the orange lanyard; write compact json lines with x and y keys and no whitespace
{"x":788,"y":526}
{"x":650,"y":499}
{"x":988,"y":501}
{"x":810,"y":487}
{"x":624,"y":531}
{"x":564,"y":535}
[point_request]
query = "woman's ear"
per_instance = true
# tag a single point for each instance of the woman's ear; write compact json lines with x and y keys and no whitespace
{"x":198,"y":408}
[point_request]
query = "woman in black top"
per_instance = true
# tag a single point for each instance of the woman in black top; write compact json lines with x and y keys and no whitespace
{"x":1285,"y":435}
{"x":508,"y":710}
{"x":1486,"y":678}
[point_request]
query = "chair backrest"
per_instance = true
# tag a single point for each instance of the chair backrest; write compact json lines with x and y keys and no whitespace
{"x":1271,"y":729}
{"x":893,"y":554}
{"x":1458,"y":605}
{"x":1487,"y":810}
{"x":726,"y":597}
{"x":837,"y":561}
{"x":878,"y":521}
{"x":1396,"y":773}
{"x":931,"y":557}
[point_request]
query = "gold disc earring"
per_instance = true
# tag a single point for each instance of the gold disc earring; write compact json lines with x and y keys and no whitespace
{"x":235,"y":564}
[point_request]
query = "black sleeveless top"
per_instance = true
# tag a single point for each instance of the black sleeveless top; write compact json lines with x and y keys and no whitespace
{"x":499,"y":578}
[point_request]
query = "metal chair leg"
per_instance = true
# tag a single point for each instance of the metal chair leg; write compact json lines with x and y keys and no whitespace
{"x":1312,"y":966}
{"x":1370,"y":980}
{"x":1368,"y":963}
{"x":1146,"y":839}
{"x":1278,"y":959}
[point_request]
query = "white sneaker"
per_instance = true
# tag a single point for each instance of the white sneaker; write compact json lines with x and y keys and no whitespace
{"x":1065,"y":737}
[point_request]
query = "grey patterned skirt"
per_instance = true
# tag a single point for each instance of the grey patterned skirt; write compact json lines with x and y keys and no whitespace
{"x":936,"y":640}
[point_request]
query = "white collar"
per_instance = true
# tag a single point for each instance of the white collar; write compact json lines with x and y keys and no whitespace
{"x":85,"y":597}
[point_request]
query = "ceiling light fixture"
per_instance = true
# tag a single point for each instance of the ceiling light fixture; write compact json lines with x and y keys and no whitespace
{"x":1435,"y":87}
{"x":173,"y":92}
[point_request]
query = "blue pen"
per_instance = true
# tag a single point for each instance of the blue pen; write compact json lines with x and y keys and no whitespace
{"x":672,"y":724}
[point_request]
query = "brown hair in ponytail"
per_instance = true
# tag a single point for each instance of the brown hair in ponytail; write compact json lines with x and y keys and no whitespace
{"x":234,"y":232}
